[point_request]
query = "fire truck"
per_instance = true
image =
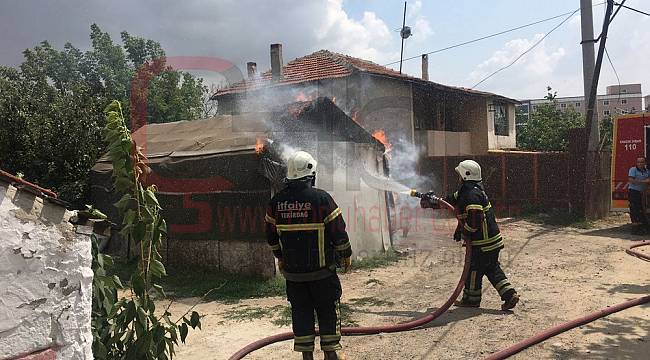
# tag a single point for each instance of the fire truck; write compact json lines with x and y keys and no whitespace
{"x":631,"y":140}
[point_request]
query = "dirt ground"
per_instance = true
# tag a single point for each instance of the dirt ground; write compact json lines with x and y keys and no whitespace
{"x":560,"y":273}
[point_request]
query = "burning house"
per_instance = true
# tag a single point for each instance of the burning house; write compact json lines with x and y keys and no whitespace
{"x":215,"y":177}
{"x":439,"y":120}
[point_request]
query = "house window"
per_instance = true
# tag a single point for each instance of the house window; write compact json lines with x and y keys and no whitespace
{"x":577,"y":104}
{"x":624,"y":91}
{"x":606,"y":102}
{"x":563,"y":106}
{"x":500,"y":119}
{"x":623,"y":101}
{"x":606,"y":112}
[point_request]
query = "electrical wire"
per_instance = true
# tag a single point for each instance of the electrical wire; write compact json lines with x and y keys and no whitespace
{"x":633,"y":9}
{"x":489,"y":36}
{"x":527,"y":50}
{"x":615,"y":73}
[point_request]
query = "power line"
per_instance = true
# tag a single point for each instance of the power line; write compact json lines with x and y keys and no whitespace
{"x":617,"y":78}
{"x":527,"y":50}
{"x":491,"y":35}
{"x":615,"y":72}
{"x":633,"y":9}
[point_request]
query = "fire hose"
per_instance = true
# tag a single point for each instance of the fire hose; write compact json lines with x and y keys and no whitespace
{"x":503,"y":354}
{"x":558,"y":329}
{"x":371,"y":330}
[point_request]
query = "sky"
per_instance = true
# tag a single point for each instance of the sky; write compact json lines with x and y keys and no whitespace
{"x":241,"y":31}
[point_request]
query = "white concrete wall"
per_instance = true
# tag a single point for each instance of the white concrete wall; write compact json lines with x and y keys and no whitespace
{"x":496,"y":142}
{"x":364,"y":208}
{"x":448,"y":143}
{"x":45,"y":279}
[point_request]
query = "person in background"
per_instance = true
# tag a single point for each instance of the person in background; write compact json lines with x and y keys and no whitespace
{"x":638,"y":179}
{"x":306,"y":232}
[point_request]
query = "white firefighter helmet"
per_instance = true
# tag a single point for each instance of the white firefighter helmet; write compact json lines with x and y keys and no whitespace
{"x":469,"y":170}
{"x":301,"y":164}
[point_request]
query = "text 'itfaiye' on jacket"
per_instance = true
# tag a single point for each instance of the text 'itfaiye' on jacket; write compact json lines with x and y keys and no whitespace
{"x":305,"y":228}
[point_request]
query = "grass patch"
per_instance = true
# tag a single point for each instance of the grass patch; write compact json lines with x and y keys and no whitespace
{"x":281,"y":314}
{"x":556,"y":217}
{"x":194,"y":282}
{"x":284,"y":317}
{"x":389,"y":257}
{"x":370,"y":301}
{"x":374,"y":281}
{"x":247,"y":313}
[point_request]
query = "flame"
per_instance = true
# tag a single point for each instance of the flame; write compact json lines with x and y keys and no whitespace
{"x":302,"y":97}
{"x":259,"y":146}
{"x":381,"y":136}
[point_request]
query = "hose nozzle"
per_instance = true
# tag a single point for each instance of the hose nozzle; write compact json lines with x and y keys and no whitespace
{"x":415,"y":193}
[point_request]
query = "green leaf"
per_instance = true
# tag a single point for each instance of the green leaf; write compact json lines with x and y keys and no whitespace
{"x":195,"y":319}
{"x":142,"y":317}
{"x":123,"y":202}
{"x":157,"y":268}
{"x":151,"y":197}
{"x":183,"y":330}
{"x":139,"y":231}
{"x":160,"y":290}
{"x":117,"y":282}
{"x":137,"y":282}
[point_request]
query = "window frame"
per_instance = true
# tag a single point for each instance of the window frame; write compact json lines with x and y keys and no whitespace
{"x":500,"y":129}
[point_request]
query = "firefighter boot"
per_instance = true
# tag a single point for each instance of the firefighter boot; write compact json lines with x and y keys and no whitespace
{"x":461,"y":303}
{"x":333,"y":355}
{"x":307,"y":355}
{"x":510,"y":303}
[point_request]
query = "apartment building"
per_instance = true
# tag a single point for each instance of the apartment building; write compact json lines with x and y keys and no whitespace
{"x":618,"y":100}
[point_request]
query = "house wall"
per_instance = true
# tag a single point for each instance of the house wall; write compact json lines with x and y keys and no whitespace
{"x":363,"y":208}
{"x":496,"y":142}
{"x":45,"y":280}
{"x":475,"y":119}
{"x":386,"y":104}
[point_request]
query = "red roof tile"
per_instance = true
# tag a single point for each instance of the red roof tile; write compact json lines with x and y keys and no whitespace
{"x":325,"y":64}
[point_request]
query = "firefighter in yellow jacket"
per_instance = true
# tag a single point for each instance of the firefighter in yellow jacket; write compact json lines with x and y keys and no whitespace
{"x":306,"y":232}
{"x":478,"y":225}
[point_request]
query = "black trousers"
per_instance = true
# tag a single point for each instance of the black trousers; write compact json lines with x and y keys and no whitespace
{"x":486,"y":263}
{"x":321,"y":297}
{"x":637,"y":213}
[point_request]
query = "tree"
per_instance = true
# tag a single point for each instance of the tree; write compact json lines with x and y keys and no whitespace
{"x":51,"y":107}
{"x":548,"y":127}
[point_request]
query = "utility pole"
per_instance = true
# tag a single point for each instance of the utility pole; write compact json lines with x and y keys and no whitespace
{"x":404,"y":33}
{"x":593,"y":188}
{"x":401,"y":52}
{"x":588,"y":67}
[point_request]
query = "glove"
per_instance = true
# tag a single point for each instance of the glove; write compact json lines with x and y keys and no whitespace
{"x":458,"y":235}
{"x":346,"y":263}
{"x":429,"y":201}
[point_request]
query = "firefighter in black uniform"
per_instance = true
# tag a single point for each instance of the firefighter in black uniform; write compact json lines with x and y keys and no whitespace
{"x":477,"y":225}
{"x":306,"y":232}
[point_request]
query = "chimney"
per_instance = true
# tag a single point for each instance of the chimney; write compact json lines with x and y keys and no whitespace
{"x":425,"y":67}
{"x":276,"y":61}
{"x":252,"y":69}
